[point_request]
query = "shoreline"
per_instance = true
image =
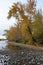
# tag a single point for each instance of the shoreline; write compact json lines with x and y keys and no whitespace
{"x":26,"y":46}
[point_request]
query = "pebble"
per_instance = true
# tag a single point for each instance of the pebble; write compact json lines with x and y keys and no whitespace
{"x":23,"y":57}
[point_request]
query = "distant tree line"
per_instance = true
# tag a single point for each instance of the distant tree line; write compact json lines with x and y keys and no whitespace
{"x":29,"y":28}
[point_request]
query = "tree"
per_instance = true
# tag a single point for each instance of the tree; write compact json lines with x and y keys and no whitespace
{"x":23,"y":13}
{"x":38,"y":27}
{"x":14,"y":34}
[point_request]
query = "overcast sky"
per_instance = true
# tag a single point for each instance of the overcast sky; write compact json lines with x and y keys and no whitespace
{"x":4,"y":8}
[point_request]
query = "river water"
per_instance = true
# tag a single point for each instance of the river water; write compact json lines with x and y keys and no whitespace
{"x":3,"y":44}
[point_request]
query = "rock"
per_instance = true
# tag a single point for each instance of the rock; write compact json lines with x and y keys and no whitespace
{"x":22,"y":57}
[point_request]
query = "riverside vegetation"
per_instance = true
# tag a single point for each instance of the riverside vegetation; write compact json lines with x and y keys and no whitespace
{"x":29,"y":27}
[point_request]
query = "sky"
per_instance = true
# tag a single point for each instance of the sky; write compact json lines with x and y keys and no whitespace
{"x":4,"y":8}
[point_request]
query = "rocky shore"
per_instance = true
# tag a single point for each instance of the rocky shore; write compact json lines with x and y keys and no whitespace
{"x":22,"y":57}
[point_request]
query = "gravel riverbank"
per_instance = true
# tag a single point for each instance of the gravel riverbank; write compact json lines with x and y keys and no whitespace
{"x":24,"y":56}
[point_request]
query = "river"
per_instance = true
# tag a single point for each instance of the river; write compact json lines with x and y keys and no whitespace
{"x":3,"y":44}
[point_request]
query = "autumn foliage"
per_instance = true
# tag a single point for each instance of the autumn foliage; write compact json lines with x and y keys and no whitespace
{"x":29,"y":28}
